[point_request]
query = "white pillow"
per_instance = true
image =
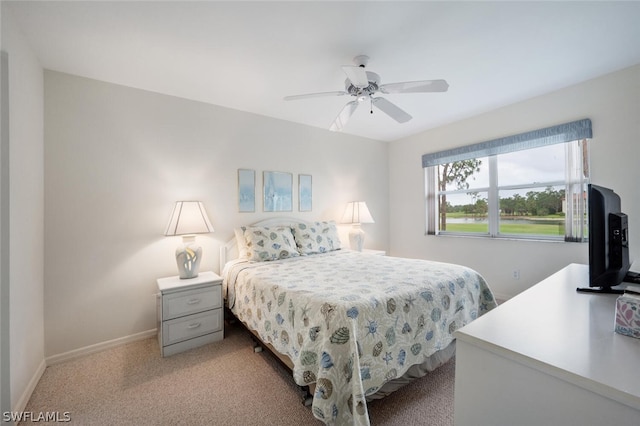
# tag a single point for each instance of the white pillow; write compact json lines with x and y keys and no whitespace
{"x":241,"y":242}
{"x":269,"y":243}
{"x":316,"y":237}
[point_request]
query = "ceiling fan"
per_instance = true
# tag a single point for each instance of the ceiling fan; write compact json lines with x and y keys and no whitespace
{"x":362,"y":85}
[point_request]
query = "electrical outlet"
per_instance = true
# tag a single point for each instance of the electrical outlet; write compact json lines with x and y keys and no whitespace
{"x":515,"y":274}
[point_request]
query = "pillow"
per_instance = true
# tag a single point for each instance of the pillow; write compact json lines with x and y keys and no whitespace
{"x":269,"y":243}
{"x":316,"y":237}
{"x":241,"y":242}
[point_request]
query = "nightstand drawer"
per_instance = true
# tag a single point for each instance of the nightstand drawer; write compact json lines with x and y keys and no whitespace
{"x":180,"y":329}
{"x":191,"y":301}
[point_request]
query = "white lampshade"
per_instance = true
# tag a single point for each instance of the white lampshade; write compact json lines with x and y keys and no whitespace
{"x":188,"y":218}
{"x":357,"y":212}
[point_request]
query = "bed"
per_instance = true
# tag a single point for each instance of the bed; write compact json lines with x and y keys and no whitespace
{"x":353,"y":326}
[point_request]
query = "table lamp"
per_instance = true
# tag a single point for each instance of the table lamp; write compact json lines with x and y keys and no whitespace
{"x":188,"y":218}
{"x":356,"y":213}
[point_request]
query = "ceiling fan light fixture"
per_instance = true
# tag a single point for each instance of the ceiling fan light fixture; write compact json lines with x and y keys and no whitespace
{"x":362,"y":85}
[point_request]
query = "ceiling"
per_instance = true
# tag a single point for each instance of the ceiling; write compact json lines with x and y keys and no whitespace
{"x":249,"y":55}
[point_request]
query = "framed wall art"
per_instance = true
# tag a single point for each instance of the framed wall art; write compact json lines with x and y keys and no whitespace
{"x":305,"y":193}
{"x":278,"y":191}
{"x":246,"y":190}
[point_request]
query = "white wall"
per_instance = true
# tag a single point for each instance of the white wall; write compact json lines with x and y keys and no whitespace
{"x":612,"y":102}
{"x":116,"y":159}
{"x":26,"y":213}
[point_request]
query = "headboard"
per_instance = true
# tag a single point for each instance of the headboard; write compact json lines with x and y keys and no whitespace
{"x":229,"y":251}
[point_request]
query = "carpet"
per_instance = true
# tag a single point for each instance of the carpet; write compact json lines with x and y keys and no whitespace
{"x":222,"y":383}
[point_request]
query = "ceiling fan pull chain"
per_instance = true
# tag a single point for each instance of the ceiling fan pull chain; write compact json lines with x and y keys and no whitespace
{"x":371,"y":104}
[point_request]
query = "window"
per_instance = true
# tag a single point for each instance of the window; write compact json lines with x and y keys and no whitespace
{"x":529,"y":186}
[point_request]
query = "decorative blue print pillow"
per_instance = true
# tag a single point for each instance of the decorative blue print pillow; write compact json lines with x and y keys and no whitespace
{"x":316,"y":237}
{"x":269,"y":243}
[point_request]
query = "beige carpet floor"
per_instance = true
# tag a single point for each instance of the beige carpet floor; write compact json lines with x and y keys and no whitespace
{"x":223,"y":383}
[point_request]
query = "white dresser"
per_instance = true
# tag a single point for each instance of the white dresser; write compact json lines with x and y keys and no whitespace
{"x":190,"y":312}
{"x":549,"y":356}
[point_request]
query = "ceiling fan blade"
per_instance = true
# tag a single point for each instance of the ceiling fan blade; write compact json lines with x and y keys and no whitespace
{"x":357,"y":76}
{"x":342,"y":118}
{"x":315,"y":95}
{"x":415,"y":86}
{"x":391,"y":110}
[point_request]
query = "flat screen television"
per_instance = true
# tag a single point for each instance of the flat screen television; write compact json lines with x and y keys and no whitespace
{"x":608,"y":241}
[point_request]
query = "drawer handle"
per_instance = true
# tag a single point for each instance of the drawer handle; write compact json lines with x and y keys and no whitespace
{"x":193,"y":301}
{"x":194,"y":325}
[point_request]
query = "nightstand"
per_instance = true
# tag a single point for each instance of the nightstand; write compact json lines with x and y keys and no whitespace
{"x":190,"y":312}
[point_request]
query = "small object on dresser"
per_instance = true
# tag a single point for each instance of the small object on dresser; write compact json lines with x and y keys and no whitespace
{"x":628,"y":314}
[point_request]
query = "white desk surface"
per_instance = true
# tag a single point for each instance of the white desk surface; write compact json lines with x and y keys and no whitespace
{"x":567,"y":334}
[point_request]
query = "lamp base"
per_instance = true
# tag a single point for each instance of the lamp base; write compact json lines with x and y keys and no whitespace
{"x":188,"y":257}
{"x":356,"y":238}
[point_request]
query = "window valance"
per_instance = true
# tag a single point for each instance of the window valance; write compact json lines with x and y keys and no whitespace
{"x":567,"y":132}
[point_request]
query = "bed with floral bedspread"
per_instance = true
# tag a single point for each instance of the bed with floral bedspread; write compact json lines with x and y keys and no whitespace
{"x":352,"y":321}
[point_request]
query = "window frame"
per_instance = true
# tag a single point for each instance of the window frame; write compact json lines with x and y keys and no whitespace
{"x":574,"y":136}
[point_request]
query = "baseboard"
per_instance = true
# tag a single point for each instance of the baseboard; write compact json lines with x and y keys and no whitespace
{"x":31,"y":386}
{"x":98,"y":347}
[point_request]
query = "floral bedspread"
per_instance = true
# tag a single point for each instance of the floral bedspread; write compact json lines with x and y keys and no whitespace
{"x":352,"y":321}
